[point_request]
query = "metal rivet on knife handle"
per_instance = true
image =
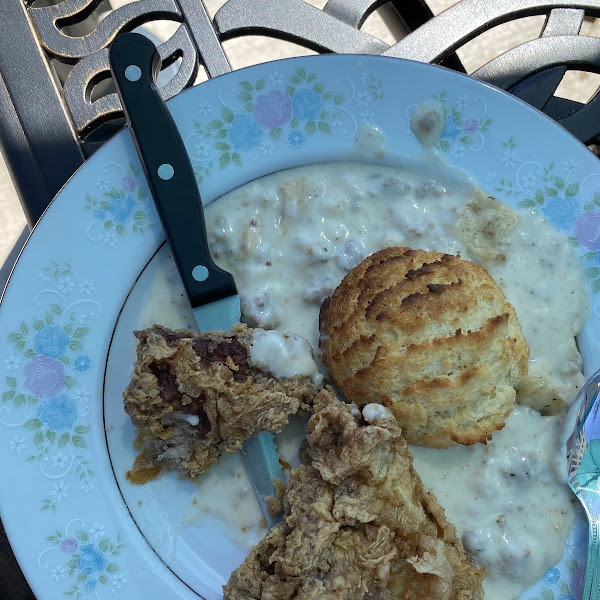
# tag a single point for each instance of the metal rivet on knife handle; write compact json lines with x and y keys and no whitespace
{"x":133,"y":73}
{"x":166,"y":171}
{"x":200,"y":273}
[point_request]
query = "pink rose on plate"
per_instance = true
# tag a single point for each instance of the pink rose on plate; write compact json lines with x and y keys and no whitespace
{"x":587,"y":229}
{"x":128,"y":183}
{"x":68,"y":546}
{"x":471,"y":125}
{"x":273,"y":110}
{"x":44,"y":377}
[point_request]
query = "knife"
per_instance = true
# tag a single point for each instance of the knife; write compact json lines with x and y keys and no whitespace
{"x":135,"y":63}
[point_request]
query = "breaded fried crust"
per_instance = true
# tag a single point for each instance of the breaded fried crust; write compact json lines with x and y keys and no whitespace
{"x":359,"y":525}
{"x":193,"y":395}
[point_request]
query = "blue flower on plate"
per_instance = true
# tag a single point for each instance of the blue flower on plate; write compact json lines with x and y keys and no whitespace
{"x":296,"y":139}
{"x":307,"y":105}
{"x":244,"y":133}
{"x":89,"y":586}
{"x":551,"y":576}
{"x":452,"y":130}
{"x":120,"y":209}
{"x":91,"y":560}
{"x":52,"y":341}
{"x":561,"y":211}
{"x":58,"y":413}
{"x":82,"y":363}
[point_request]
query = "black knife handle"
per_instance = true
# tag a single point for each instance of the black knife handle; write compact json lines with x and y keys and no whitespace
{"x":134,"y":63}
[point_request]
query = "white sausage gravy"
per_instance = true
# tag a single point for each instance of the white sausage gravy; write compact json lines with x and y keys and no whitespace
{"x":289,"y":239}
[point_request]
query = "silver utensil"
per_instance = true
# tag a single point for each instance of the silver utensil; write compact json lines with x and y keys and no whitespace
{"x":212,"y":292}
{"x":583,"y":463}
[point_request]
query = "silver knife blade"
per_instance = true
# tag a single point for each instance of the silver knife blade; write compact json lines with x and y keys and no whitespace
{"x":135,"y":63}
{"x":259,"y":452}
{"x":222,"y":314}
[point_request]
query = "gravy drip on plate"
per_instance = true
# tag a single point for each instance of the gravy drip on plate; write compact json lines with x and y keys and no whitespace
{"x":289,"y":239}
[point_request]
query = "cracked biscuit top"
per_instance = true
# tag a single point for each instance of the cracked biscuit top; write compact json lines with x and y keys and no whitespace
{"x":430,"y":336}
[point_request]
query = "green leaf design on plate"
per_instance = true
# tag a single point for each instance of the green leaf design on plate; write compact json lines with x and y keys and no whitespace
{"x":79,"y":441}
{"x":32,"y":424}
{"x":244,"y":97}
{"x":539,"y":197}
{"x":227,"y":115}
{"x":547,"y":594}
{"x":8,"y":396}
{"x":324,"y":128}
{"x":75,"y":346}
{"x":224,"y":160}
{"x":527,"y":203}
{"x":572,"y":190}
{"x":571,"y":565}
{"x":81,"y":332}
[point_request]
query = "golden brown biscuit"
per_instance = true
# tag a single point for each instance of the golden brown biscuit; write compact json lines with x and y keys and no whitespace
{"x":432,"y":337}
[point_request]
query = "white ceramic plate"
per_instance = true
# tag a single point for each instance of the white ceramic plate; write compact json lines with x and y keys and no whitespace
{"x":77,"y":527}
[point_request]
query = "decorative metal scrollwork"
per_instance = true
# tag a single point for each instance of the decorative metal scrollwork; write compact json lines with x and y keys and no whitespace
{"x":87,"y":55}
{"x":94,"y":68}
{"x":336,"y":28}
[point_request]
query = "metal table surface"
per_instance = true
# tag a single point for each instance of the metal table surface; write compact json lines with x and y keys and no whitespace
{"x":64,"y":64}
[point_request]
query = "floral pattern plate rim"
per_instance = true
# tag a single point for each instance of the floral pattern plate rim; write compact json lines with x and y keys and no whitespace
{"x":67,"y":522}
